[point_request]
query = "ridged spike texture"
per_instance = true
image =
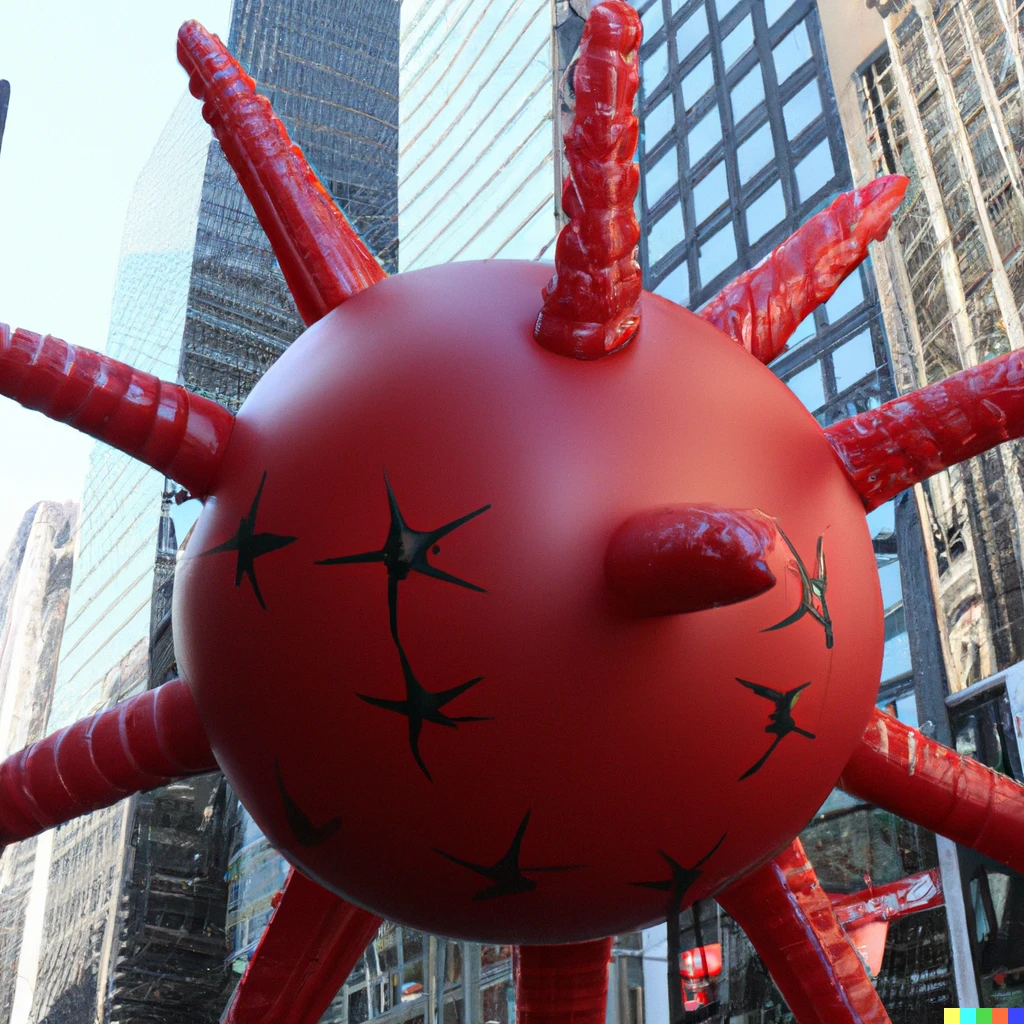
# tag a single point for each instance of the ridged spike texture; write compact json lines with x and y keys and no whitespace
{"x":909,"y":439}
{"x":592,"y":304}
{"x":689,"y":557}
{"x":323,"y":260}
{"x":763,"y":307}
{"x":790,"y":920}
{"x":142,"y":743}
{"x":563,"y":984}
{"x":302,"y":961}
{"x":902,"y":770}
{"x":163,"y":425}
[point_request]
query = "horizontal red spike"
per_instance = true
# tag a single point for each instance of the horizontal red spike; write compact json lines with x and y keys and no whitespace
{"x":563,"y":984}
{"x":304,"y":956}
{"x":142,"y":743}
{"x":901,"y":770}
{"x":763,"y":307}
{"x":592,"y":304}
{"x":323,"y":260}
{"x":909,"y":439}
{"x":690,"y":557}
{"x":163,"y":425}
{"x":789,"y":918}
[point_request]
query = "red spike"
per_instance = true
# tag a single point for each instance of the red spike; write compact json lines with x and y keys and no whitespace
{"x":323,"y":260}
{"x":901,"y":770}
{"x":789,"y":918}
{"x":563,"y":984}
{"x":304,"y":956}
{"x":163,"y":425}
{"x":763,"y":307}
{"x":142,"y":743}
{"x":690,"y":557}
{"x":592,"y":304}
{"x":909,"y":439}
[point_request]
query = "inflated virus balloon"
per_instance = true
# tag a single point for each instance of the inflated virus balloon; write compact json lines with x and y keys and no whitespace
{"x":478,"y":532}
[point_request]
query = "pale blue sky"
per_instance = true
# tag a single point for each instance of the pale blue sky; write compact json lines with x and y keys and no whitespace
{"x":92,"y":84}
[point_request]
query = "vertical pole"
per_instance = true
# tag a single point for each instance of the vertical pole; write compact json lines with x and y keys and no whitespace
{"x":675,"y":988}
{"x":472,"y":1009}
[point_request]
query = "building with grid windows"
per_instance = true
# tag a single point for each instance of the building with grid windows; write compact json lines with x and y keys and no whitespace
{"x":741,"y":143}
{"x":933,"y":91}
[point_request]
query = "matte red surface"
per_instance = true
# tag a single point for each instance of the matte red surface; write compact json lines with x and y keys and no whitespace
{"x":763,"y":307}
{"x":302,"y":961}
{"x":176,"y":432}
{"x":900,"y":769}
{"x":592,"y":304}
{"x":788,"y":917}
{"x":690,"y":558}
{"x":548,"y":456}
{"x":909,"y":439}
{"x":142,"y":743}
{"x":563,"y":984}
{"x":323,"y":260}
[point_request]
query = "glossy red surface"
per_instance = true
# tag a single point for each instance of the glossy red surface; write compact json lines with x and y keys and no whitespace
{"x":763,"y":307}
{"x":789,"y":919}
{"x":176,"y":432}
{"x":909,"y":439}
{"x":690,"y":558}
{"x":563,"y":984}
{"x":592,"y":304}
{"x":890,"y":902}
{"x":900,"y":769}
{"x":538,"y":678}
{"x":303,"y":959}
{"x":323,"y":260}
{"x":142,"y":743}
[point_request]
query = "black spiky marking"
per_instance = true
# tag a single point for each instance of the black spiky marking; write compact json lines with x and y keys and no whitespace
{"x":680,"y":881}
{"x":812,"y":599}
{"x":251,"y":545}
{"x":420,"y":705}
{"x":302,"y":827}
{"x":506,"y":876}
{"x":780,"y":721}
{"x":405,"y":551}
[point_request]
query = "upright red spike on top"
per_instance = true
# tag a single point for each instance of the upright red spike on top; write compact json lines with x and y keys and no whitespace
{"x":763,"y":307}
{"x":909,"y":439}
{"x":789,"y":918}
{"x":592,"y":304}
{"x":163,"y":425}
{"x":323,"y":260}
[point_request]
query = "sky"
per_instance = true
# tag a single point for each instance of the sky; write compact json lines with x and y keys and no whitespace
{"x":92,"y":84}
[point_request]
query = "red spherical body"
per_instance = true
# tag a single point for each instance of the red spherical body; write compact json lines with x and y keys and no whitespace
{"x":477,"y":740}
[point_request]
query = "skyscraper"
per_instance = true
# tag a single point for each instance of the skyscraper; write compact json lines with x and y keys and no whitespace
{"x":741,"y":143}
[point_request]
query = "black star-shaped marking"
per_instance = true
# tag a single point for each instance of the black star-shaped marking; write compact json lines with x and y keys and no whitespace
{"x":812,"y":600}
{"x":681,"y":880}
{"x":420,"y":705}
{"x":251,"y":545}
{"x":405,"y":550}
{"x":506,"y":876}
{"x":305,"y":831}
{"x":780,"y":721}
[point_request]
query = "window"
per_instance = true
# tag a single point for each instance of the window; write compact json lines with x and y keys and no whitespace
{"x":738,"y":41}
{"x":705,"y":135}
{"x":661,"y":177}
{"x":698,"y":81}
{"x":710,"y":193}
{"x":665,"y":233}
{"x":792,"y":53}
{"x":757,"y":152}
{"x":747,"y":94}
{"x":853,"y":360}
{"x":808,"y":387}
{"x":764,"y":213}
{"x":815,"y":171}
{"x":802,"y":109}
{"x":691,"y":33}
{"x":658,"y":123}
{"x":717,"y":253}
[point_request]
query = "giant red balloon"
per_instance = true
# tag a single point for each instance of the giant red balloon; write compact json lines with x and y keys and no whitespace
{"x":586,"y":767}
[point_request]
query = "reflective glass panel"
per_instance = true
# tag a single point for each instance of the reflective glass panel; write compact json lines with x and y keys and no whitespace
{"x":653,"y":18}
{"x":765,"y":212}
{"x":747,"y":93}
{"x":665,"y":233}
{"x":710,"y":192}
{"x":808,"y":387}
{"x":692,"y":33}
{"x":853,"y":360}
{"x":676,"y":286}
{"x":662,"y":176}
{"x":655,"y":68}
{"x":704,"y":135}
{"x":792,"y":52}
{"x":738,"y":41}
{"x":698,"y":81}
{"x":802,"y":109}
{"x":757,"y":152}
{"x":846,"y":297}
{"x":717,"y":253}
{"x":658,"y":123}
{"x":815,"y":170}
